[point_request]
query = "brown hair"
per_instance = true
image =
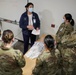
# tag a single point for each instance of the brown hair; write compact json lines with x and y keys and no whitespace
{"x":7,"y":36}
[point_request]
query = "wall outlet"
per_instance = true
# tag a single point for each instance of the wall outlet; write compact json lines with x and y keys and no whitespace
{"x":53,"y":25}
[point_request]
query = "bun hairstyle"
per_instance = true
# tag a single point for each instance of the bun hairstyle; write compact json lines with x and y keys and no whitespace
{"x":68,"y":17}
{"x":7,"y":36}
{"x":49,"y":41}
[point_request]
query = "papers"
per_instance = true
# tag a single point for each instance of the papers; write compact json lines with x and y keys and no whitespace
{"x":35,"y":50}
{"x":36,"y":32}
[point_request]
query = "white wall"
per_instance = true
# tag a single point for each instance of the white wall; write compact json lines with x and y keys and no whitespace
{"x":12,"y":10}
{"x":50,"y":12}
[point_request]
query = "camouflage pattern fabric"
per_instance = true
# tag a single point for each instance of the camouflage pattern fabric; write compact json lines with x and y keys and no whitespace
{"x":64,"y":29}
{"x":69,"y":40}
{"x":68,"y":54}
{"x":11,"y":62}
{"x":46,"y":64}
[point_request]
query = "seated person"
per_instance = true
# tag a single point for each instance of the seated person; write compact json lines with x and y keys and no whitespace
{"x":68,"y":54}
{"x":46,"y":63}
{"x":11,"y":60}
{"x":65,"y":29}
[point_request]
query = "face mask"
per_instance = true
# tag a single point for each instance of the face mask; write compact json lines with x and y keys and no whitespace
{"x":30,"y":9}
{"x":63,"y":20}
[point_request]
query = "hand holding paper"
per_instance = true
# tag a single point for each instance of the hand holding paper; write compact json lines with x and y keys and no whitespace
{"x":36,"y":32}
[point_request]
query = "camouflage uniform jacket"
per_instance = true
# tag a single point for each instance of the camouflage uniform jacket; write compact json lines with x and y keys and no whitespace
{"x":64,"y":29}
{"x":69,"y":40}
{"x":11,"y":62}
{"x":46,"y":64}
{"x":68,"y":52}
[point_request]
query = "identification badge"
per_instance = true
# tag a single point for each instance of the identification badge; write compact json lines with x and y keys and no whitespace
{"x":24,"y":18}
{"x":34,"y":20}
{"x":61,"y":29}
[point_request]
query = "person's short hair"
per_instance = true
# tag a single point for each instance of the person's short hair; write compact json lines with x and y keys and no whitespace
{"x":7,"y":36}
{"x":49,"y":41}
{"x":28,"y":4}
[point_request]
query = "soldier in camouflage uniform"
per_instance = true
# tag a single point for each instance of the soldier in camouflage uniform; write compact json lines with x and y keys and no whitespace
{"x":47,"y":62}
{"x":68,"y":54}
{"x":65,"y":53}
{"x":64,"y":29}
{"x":11,"y":60}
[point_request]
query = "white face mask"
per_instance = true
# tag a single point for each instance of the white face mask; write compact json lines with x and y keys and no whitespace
{"x":30,"y":9}
{"x":63,"y":20}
